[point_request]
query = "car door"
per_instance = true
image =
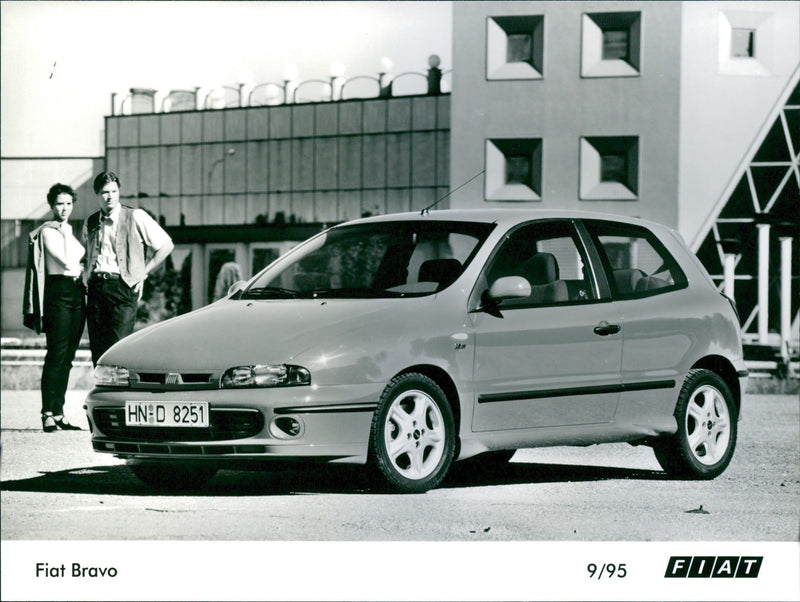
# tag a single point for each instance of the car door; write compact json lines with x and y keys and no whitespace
{"x":552,"y":359}
{"x":662,"y":317}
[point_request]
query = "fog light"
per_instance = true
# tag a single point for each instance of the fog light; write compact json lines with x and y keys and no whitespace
{"x":286,"y":427}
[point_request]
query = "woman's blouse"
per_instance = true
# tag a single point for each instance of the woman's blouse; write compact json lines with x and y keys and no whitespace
{"x":62,"y":251}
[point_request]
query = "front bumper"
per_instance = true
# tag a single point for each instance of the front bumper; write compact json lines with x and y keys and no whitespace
{"x":336,"y":422}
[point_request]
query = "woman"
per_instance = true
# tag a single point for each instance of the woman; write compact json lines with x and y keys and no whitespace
{"x":55,"y":302}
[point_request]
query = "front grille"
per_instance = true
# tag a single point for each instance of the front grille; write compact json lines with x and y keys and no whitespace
{"x":223,"y":425}
{"x":171,"y":379}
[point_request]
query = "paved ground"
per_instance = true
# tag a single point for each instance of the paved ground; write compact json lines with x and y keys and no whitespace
{"x":54,"y":487}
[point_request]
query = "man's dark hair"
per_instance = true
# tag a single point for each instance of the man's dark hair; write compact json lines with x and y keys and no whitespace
{"x":57,"y":189}
{"x":104,"y":178}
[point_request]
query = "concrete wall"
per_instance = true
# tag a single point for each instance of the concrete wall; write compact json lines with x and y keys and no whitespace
{"x":722,"y":113}
{"x":563,"y":106}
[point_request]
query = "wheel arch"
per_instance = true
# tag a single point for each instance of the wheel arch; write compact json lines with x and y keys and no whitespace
{"x":443,"y":379}
{"x":726,"y":371}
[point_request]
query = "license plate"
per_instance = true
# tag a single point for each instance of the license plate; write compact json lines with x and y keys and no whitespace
{"x":166,"y":413}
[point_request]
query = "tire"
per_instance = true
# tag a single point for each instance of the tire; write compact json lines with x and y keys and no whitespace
{"x":412,"y":438}
{"x":707,"y":428}
{"x":172,"y":476}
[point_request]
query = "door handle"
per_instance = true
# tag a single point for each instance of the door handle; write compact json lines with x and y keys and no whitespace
{"x":605,"y":329}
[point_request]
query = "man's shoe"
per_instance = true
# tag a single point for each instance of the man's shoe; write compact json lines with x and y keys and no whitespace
{"x":65,"y":425}
{"x":48,"y":423}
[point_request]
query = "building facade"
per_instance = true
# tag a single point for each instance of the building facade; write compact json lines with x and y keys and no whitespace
{"x":686,"y":113}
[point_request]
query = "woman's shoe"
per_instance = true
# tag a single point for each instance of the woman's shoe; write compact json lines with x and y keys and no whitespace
{"x":65,"y":425}
{"x":48,"y":423}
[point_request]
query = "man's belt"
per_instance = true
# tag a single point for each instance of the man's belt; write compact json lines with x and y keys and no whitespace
{"x":105,"y":275}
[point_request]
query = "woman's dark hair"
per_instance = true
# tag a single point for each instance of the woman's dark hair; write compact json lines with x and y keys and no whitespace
{"x":104,"y":178}
{"x":57,"y":189}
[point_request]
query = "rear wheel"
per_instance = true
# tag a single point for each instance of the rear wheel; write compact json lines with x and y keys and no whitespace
{"x":173,"y":476}
{"x":707,"y":419}
{"x":412,"y":439}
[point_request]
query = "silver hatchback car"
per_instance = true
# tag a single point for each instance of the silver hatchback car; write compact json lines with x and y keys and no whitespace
{"x":407,"y":342}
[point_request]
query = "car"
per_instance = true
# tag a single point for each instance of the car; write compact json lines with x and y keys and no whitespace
{"x":409,"y":342}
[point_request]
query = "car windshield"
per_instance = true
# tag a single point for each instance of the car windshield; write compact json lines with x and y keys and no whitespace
{"x":376,"y":260}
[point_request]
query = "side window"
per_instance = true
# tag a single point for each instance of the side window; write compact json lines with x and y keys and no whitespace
{"x":549,"y":256}
{"x":636,"y":263}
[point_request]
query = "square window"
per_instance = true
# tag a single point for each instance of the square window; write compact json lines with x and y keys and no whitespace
{"x":613,"y":167}
{"x":616,"y":44}
{"x":743,"y":43}
{"x":519,"y":48}
{"x":518,"y":169}
{"x":513,"y":169}
{"x":746,"y":42}
{"x":609,"y":168}
{"x":611,"y":44}
{"x":515,"y":47}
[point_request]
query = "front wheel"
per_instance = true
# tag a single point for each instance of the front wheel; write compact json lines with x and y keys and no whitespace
{"x":707,"y":419}
{"x":172,"y":476}
{"x":412,"y":439}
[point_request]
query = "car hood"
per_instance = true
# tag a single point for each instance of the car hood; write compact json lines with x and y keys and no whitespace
{"x":230,"y":333}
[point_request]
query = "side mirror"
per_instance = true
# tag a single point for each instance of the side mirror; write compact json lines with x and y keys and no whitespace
{"x":236,"y":287}
{"x":510,"y":287}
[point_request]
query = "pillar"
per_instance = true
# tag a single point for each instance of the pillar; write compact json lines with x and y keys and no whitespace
{"x":763,"y":283}
{"x":786,"y":294}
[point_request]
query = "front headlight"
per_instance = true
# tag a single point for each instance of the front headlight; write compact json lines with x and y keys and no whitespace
{"x":265,"y":375}
{"x":111,"y":376}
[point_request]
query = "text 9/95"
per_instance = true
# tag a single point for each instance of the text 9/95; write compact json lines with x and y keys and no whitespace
{"x":607,"y":570}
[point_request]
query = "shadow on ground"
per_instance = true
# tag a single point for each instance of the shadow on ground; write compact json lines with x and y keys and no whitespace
{"x":315,"y":479}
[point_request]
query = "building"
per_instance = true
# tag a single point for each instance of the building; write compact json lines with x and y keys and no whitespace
{"x":686,"y":113}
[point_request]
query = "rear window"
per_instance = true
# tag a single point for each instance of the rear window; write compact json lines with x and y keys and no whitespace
{"x":636,"y":263}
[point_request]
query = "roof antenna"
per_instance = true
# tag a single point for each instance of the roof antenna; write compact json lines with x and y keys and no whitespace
{"x":429,"y":207}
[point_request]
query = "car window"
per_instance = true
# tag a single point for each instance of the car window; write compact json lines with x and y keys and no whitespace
{"x":549,"y":256}
{"x":386,"y":259}
{"x":636,"y":262}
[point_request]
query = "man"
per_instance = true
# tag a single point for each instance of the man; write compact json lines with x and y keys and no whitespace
{"x":123,"y":245}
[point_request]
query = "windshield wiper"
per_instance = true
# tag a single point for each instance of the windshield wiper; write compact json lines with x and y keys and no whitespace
{"x":274,"y":292}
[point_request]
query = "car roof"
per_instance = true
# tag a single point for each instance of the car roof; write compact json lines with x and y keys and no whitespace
{"x":500,"y":216}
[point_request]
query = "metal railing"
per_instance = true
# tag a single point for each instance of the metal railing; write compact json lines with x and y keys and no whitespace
{"x":291,"y":90}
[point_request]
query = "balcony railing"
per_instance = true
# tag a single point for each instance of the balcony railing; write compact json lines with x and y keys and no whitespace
{"x":291,"y":90}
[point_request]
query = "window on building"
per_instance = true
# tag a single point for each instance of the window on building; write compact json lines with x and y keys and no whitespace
{"x":518,"y":169}
{"x":747,"y":42}
{"x":609,"y":168}
{"x":616,"y":44}
{"x":611,"y":44}
{"x":743,"y":43}
{"x":514,"y":169}
{"x":613,"y":167}
{"x":519,"y":48}
{"x":515,"y":47}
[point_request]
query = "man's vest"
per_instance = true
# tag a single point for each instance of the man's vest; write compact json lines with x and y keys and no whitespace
{"x":129,"y":246}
